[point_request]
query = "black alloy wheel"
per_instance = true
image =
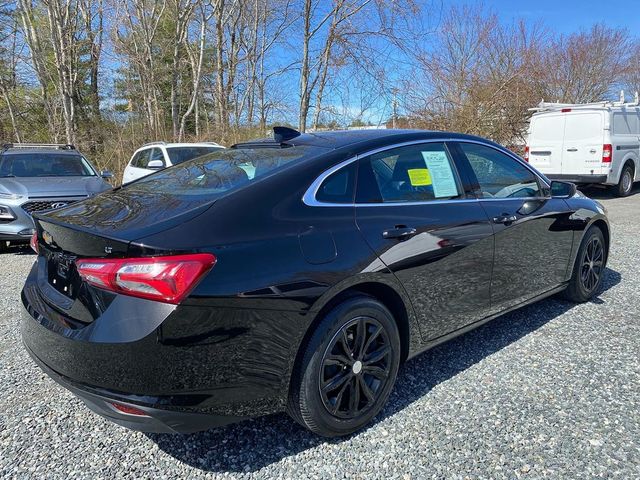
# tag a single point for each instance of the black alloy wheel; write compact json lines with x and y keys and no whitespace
{"x":592,"y":264}
{"x":355,"y":367}
{"x":348,"y":368}
{"x":589,"y":267}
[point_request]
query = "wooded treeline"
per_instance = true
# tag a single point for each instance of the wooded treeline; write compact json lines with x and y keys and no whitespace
{"x":109,"y":75}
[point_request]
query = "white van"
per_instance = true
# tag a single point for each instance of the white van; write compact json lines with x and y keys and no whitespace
{"x":597,"y":143}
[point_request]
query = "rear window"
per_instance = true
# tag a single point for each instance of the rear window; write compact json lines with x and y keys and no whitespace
{"x":547,"y":128}
{"x":584,"y":126}
{"x":44,"y":165}
{"x":179,"y":155}
{"x":218,"y":172}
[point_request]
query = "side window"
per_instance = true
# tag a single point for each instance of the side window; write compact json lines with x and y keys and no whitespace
{"x":414,"y":173}
{"x":156,"y":154}
{"x":499,"y":175}
{"x":141,"y":159}
{"x":339,"y":186}
{"x":626,"y":123}
{"x":134,"y":160}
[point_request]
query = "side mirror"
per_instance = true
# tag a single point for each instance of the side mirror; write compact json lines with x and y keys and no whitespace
{"x":155,"y":164}
{"x":106,"y":174}
{"x":563,"y":189}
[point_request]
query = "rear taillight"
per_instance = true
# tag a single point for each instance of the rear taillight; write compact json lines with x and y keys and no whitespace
{"x":607,"y":153}
{"x":165,"y":279}
{"x":34,"y":242}
{"x":526,"y":153}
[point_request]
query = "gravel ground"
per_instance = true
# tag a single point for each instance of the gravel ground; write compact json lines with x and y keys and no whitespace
{"x":549,"y":391}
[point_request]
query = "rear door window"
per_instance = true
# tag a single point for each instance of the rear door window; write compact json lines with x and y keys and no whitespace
{"x":583,"y":127}
{"x":339,"y":186}
{"x":547,"y":128}
{"x":414,"y":173}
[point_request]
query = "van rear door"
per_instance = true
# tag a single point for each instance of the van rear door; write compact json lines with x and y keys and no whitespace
{"x":583,"y":140}
{"x":546,"y":141}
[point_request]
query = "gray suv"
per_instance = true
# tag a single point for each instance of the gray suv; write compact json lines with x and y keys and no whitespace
{"x":38,"y":177}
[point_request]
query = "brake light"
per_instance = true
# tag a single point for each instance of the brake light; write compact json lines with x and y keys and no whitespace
{"x":607,"y":153}
{"x":165,"y":279}
{"x":34,"y":242}
{"x":565,"y":110}
{"x":526,"y":153}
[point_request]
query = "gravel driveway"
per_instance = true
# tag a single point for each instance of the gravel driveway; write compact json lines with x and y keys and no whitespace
{"x":552,"y":390}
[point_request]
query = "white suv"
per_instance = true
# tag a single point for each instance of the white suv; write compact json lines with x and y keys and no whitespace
{"x":155,"y":156}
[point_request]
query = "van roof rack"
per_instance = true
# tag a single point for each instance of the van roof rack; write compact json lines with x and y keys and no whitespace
{"x":58,"y":146}
{"x":554,"y":106}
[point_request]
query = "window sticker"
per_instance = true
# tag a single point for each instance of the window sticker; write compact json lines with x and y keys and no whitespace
{"x":419,"y":177}
{"x":442,"y":177}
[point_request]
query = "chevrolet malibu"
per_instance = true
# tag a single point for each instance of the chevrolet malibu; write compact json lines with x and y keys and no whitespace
{"x":296,"y":274}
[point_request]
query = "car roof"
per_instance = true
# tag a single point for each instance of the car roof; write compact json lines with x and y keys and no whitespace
{"x":183,"y":144}
{"x":44,"y":151}
{"x":336,"y":139}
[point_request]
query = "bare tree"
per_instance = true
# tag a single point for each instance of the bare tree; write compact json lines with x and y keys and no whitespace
{"x":583,"y":67}
{"x":140,"y":20}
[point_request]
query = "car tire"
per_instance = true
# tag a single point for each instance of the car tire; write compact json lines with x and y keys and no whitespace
{"x":625,"y":185}
{"x":589,"y":267}
{"x":4,"y":246}
{"x":348,"y":368}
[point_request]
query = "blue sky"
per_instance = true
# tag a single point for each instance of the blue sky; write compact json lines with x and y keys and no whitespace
{"x":569,"y":16}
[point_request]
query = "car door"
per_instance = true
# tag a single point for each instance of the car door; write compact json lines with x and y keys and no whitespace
{"x":583,"y":143}
{"x":546,"y":140}
{"x":533,"y":233}
{"x":413,"y":210}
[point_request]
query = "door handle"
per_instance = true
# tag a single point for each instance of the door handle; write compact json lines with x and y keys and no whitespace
{"x":399,"y":232}
{"x":505,"y":219}
{"x":593,"y":150}
{"x":572,"y":149}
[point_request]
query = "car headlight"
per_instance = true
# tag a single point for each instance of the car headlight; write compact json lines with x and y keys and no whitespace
{"x":6,"y":213}
{"x":10,"y":196}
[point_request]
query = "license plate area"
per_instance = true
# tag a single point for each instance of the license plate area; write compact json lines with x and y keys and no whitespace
{"x":61,"y":272}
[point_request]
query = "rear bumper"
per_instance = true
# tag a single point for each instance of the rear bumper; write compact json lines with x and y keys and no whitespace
{"x":579,"y":179}
{"x":157,"y":420}
{"x":190,"y":367}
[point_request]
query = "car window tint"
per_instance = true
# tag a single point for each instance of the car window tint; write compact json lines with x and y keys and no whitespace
{"x":142,"y":158}
{"x":44,"y":165}
{"x":408,"y":174}
{"x":499,"y":175}
{"x":182,"y":154}
{"x":211,"y":175}
{"x":339,"y":186}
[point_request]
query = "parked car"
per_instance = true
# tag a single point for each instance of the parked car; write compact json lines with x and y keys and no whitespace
{"x":158,"y":155}
{"x":40,"y":177}
{"x":595,"y":143}
{"x":203,"y":295}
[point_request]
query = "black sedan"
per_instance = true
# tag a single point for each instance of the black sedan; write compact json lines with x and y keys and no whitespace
{"x":296,"y":274}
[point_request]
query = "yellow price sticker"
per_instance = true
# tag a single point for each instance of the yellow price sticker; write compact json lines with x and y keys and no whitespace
{"x":419,"y":177}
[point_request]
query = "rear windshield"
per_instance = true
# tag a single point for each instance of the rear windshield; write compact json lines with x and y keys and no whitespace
{"x":218,"y":172}
{"x":44,"y":165}
{"x":182,"y":154}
